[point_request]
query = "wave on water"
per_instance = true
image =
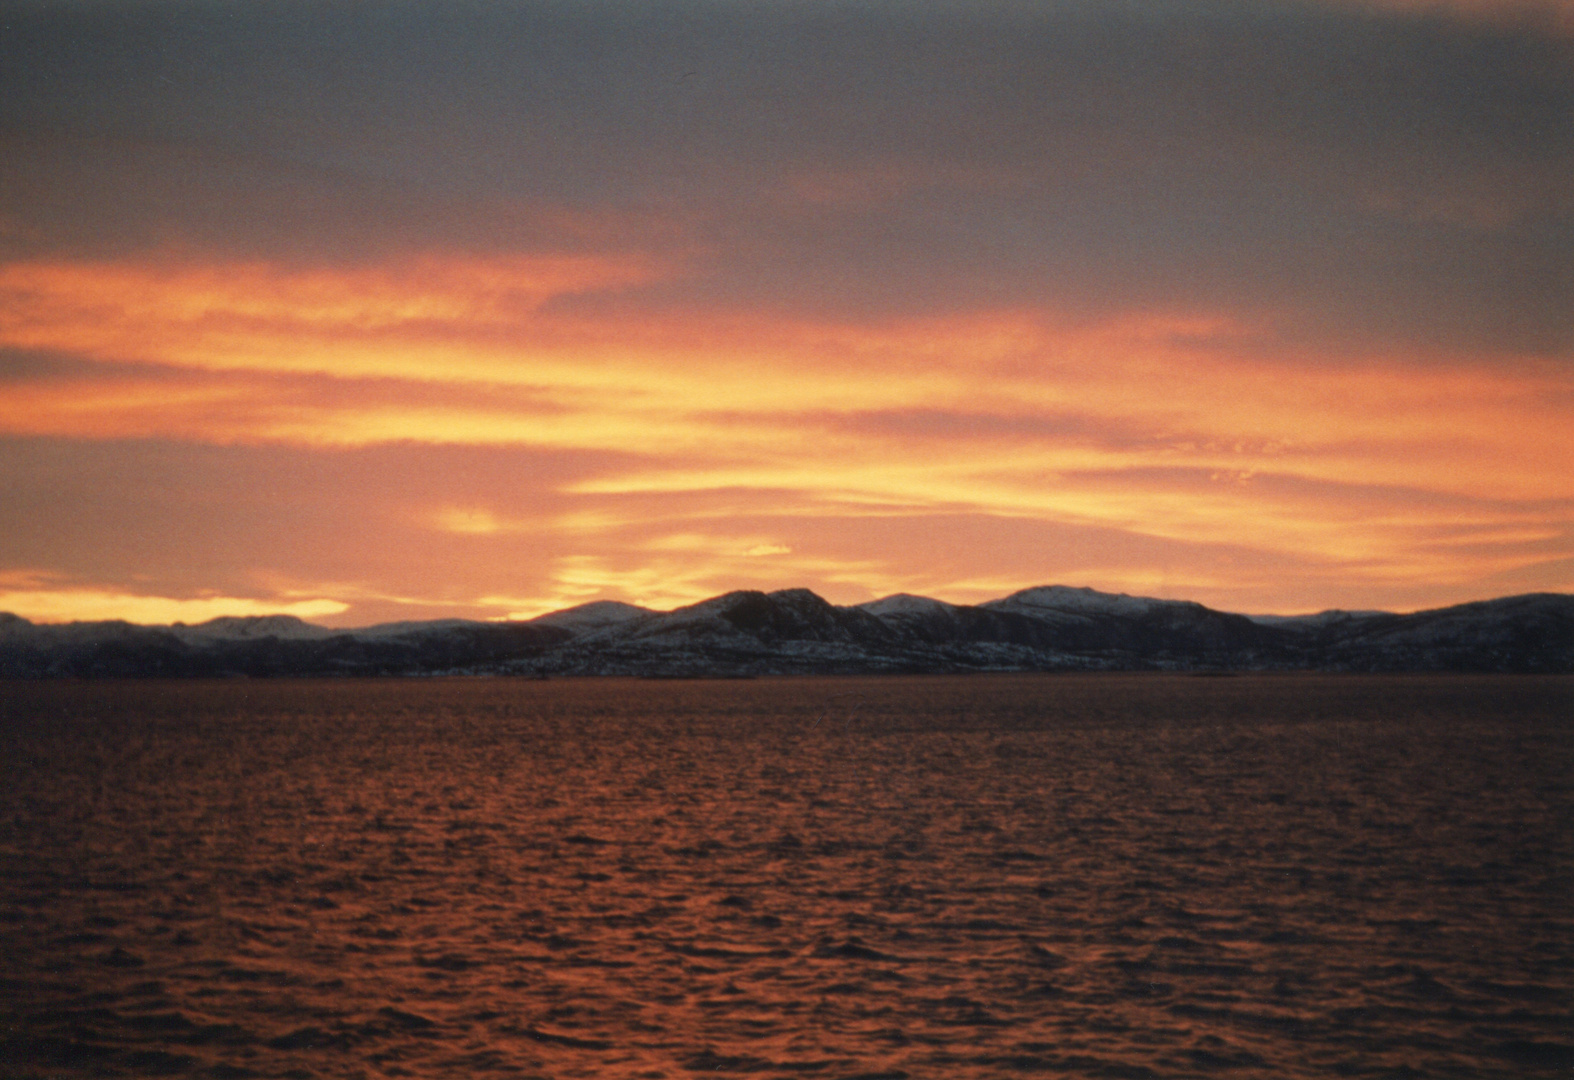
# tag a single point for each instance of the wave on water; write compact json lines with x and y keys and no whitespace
{"x":1099,"y":876}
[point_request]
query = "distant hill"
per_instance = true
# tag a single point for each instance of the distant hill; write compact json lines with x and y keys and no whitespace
{"x":1051,"y":628}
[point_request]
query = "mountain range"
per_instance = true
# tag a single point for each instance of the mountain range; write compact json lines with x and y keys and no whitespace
{"x":794,"y":631}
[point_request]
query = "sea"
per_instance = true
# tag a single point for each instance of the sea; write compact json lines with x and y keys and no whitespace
{"x":1138,"y":875}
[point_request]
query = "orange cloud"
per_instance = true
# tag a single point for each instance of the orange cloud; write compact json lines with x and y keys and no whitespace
{"x":1194,"y":427}
{"x":1196,"y":385}
{"x":432,"y":288}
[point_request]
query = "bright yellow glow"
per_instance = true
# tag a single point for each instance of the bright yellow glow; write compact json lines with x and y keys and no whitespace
{"x":471,"y":522}
{"x":86,"y":605}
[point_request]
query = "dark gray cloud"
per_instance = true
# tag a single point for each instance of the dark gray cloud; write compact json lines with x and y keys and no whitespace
{"x":1361,"y":174}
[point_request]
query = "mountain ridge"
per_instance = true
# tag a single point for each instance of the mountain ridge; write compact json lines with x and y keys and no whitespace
{"x":795,"y":631}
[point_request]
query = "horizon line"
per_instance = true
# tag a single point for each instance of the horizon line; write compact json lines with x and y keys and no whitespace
{"x":283,"y":612}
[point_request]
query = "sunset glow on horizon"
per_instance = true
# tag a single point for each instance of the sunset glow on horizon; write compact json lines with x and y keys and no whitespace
{"x":404,"y":312}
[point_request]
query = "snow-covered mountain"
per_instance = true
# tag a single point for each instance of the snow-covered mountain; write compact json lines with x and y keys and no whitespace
{"x":1051,"y":628}
{"x":250,"y":628}
{"x":908,"y":606}
{"x":1066,"y":601}
{"x":596,"y":615}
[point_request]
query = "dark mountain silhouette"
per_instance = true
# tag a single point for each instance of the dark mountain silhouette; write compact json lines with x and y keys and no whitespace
{"x":1053,"y":628}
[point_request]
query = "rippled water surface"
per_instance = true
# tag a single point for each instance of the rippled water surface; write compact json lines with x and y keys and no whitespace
{"x":1102,"y":876}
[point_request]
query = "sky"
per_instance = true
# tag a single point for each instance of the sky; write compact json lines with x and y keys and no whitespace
{"x":382,"y":311}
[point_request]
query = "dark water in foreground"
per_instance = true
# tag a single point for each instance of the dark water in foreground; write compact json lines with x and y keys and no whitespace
{"x":1103,"y":876}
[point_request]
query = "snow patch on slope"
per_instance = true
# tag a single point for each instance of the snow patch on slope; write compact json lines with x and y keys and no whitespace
{"x":596,"y":615}
{"x":906,"y":604}
{"x":1068,"y":600}
{"x":251,"y":628}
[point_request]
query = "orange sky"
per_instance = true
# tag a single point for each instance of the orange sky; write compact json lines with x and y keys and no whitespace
{"x":958,"y":363}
